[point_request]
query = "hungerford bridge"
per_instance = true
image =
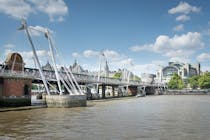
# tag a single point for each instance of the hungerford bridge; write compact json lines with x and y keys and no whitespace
{"x":85,"y":78}
{"x":16,"y":80}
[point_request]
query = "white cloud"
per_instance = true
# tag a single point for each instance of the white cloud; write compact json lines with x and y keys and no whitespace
{"x":76,"y":55}
{"x":184,"y":8}
{"x":138,"y":48}
{"x":180,"y":59}
{"x":55,"y":9}
{"x":159,"y":63}
{"x":9,"y":46}
{"x":114,"y":58}
{"x":183,"y":18}
{"x":117,"y":60}
{"x":111,"y":54}
{"x":179,"y":53}
{"x":29,"y":54}
{"x":203,"y":57}
{"x":125,"y":63}
{"x":145,"y":68}
{"x":205,"y":68}
{"x":7,"y":51}
{"x":182,"y":46}
{"x":28,"y":58}
{"x":90,"y":53}
{"x":179,"y":28}
{"x":163,"y":43}
{"x":16,"y":8}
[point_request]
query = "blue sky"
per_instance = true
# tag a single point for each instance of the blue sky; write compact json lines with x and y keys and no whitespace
{"x":140,"y":35}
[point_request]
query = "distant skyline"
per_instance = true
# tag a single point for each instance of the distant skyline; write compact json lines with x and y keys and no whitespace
{"x":139,"y":35}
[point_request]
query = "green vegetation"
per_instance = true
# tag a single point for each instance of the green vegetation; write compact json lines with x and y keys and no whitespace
{"x":204,"y":80}
{"x":35,"y":87}
{"x":136,"y":78}
{"x":117,"y":75}
{"x":193,"y":81}
{"x":176,"y":82}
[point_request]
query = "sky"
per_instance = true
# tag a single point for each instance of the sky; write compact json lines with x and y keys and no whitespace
{"x":139,"y":35}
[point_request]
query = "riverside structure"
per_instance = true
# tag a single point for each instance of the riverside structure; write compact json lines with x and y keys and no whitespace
{"x":16,"y":80}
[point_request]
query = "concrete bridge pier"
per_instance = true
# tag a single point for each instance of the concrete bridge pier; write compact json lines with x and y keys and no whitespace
{"x":164,"y":90}
{"x":143,"y":89}
{"x":66,"y":101}
{"x":158,"y":91}
{"x":149,"y":90}
{"x":103,"y":91}
{"x":113,"y":91}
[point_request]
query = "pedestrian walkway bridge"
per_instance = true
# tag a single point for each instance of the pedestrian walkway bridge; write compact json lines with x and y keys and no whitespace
{"x":82,"y":78}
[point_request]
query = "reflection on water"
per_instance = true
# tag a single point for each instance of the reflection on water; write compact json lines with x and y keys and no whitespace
{"x":150,"y":118}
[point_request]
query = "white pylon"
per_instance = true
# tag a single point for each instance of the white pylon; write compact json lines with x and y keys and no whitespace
{"x":24,"y":27}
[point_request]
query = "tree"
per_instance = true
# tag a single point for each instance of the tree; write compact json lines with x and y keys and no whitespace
{"x":117,"y":75}
{"x":193,"y":81}
{"x":204,"y":80}
{"x":35,"y":87}
{"x":136,"y":78}
{"x":176,"y":82}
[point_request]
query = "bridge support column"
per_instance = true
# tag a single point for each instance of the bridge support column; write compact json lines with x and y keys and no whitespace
{"x":103,"y":91}
{"x":113,"y":93}
{"x":66,"y":101}
{"x":144,"y":90}
{"x":65,"y":90}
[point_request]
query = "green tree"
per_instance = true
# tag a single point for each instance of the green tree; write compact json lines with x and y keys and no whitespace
{"x":117,"y":75}
{"x":193,"y":81}
{"x":204,"y":80}
{"x":176,"y":82}
{"x":136,"y":78}
{"x":35,"y":87}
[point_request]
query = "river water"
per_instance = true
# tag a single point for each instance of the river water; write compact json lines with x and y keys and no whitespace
{"x":178,"y":117}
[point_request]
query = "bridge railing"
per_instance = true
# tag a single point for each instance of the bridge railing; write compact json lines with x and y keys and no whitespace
{"x":83,"y":78}
{"x":9,"y":73}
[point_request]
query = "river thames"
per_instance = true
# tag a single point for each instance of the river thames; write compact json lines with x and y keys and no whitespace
{"x":166,"y":117}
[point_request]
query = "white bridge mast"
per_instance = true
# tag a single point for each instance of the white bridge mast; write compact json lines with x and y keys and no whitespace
{"x":24,"y":27}
{"x":54,"y":62}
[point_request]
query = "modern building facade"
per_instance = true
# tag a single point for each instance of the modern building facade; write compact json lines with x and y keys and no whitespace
{"x":182,"y":69}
